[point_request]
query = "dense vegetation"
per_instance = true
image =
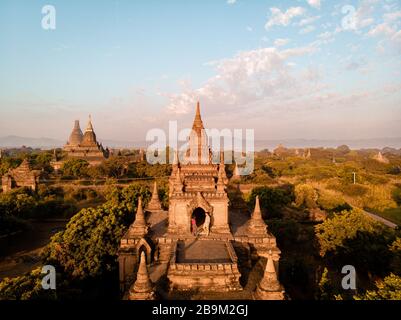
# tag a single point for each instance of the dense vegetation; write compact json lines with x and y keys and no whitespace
{"x":84,"y":254}
{"x":313,"y":206}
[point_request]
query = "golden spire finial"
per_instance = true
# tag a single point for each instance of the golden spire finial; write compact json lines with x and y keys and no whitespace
{"x":198,"y":120}
{"x":89,"y":127}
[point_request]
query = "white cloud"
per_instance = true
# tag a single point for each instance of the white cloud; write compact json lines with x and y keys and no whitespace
{"x":388,"y":32}
{"x":306,"y":30}
{"x":283,"y":18}
{"x":381,"y":29}
{"x":308,"y":20}
{"x":231,"y":1}
{"x":314,"y":3}
{"x":281,"y":42}
{"x":392,"y":16}
{"x":248,"y":78}
{"x":363,"y":15}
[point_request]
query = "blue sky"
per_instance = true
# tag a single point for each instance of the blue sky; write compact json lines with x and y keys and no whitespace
{"x":288,"y":69}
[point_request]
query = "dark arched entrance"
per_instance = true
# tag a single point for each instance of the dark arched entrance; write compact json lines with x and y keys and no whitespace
{"x":199,"y":215}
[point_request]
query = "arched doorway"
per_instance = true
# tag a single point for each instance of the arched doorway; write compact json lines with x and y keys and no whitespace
{"x":199,"y":215}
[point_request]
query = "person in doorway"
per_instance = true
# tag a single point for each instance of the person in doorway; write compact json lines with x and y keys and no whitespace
{"x":194,"y":227}
{"x":206,"y":225}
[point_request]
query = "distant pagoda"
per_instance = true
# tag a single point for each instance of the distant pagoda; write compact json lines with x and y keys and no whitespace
{"x":85,"y":146}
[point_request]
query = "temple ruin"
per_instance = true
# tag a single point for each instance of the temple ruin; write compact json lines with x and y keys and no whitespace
{"x":85,"y":146}
{"x":22,"y":176}
{"x":200,"y":244}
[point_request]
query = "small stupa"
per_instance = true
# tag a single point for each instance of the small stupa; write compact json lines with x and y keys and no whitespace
{"x":256,"y":225}
{"x":154,"y":204}
{"x":139,"y":228}
{"x":142,"y":289}
{"x":269,"y":288}
{"x":381,"y":158}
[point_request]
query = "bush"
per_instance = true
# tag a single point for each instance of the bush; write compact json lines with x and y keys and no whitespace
{"x":379,"y":198}
{"x":329,"y":200}
{"x":387,"y":289}
{"x":305,"y":196}
{"x":396,"y":194}
{"x":75,"y":168}
{"x":26,"y":287}
{"x":354,"y":190}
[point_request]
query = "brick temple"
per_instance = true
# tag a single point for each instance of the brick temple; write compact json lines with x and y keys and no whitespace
{"x":22,"y":176}
{"x":200,"y":245}
{"x":85,"y":145}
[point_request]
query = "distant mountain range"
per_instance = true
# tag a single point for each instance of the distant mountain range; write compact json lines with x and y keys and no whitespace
{"x":376,"y":143}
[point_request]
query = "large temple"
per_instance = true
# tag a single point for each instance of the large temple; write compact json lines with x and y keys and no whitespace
{"x":85,"y":146}
{"x":201,"y":244}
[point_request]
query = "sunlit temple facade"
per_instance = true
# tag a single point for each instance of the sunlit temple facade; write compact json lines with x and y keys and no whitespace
{"x":196,"y":243}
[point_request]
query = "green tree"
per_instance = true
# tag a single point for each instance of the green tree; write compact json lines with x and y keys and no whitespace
{"x":305,"y":196}
{"x":26,"y":287}
{"x":75,"y":168}
{"x":387,"y":289}
{"x":352,"y":237}
{"x":88,"y":246}
{"x":272,"y":199}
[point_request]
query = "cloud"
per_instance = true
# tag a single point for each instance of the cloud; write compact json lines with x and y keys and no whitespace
{"x":231,"y":1}
{"x":308,"y":20}
{"x":363,"y":15}
{"x":249,"y":78}
{"x":283,"y":18}
{"x":306,"y":30}
{"x":314,"y":3}
{"x":388,"y":32}
{"x":381,"y":29}
{"x":281,"y":42}
{"x":392,"y":16}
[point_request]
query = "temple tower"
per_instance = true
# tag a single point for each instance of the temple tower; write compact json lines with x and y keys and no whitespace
{"x":85,"y":146}
{"x":197,"y":187}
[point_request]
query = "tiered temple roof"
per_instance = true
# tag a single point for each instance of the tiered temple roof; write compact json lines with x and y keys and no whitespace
{"x":85,"y":146}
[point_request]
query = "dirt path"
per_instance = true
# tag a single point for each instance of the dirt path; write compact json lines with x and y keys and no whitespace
{"x":388,"y":223}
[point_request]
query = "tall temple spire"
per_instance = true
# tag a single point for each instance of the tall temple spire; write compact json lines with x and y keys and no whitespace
{"x":198,"y":124}
{"x":142,"y":289}
{"x":198,"y":152}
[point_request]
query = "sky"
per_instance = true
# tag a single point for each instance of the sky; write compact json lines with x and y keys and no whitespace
{"x":287,"y":69}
